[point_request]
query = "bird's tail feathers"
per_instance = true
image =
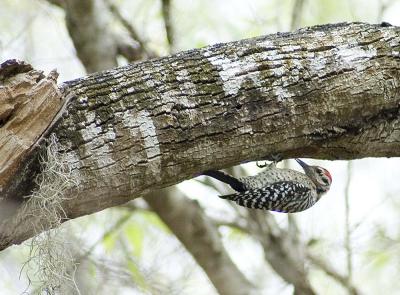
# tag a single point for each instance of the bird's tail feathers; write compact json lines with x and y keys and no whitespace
{"x":235,"y":183}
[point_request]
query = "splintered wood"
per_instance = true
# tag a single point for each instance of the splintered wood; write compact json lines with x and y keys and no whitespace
{"x":29,"y":102}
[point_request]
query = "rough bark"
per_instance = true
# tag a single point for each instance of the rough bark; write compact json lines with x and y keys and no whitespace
{"x":327,"y":92}
{"x":201,"y":237}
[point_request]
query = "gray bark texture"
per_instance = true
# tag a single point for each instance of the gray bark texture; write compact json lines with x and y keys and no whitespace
{"x":329,"y":92}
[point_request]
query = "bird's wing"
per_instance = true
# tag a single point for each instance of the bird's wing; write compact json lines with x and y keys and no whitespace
{"x":282,"y":196}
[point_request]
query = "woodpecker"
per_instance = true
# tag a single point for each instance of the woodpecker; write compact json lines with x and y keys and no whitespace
{"x":275,"y":189}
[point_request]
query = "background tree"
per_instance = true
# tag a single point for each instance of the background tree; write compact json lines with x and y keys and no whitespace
{"x":296,"y":253}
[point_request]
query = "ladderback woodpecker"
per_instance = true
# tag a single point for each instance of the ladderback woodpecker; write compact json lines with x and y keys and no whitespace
{"x":276,"y":189}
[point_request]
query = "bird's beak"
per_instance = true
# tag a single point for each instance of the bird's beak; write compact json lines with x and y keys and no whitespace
{"x":303,"y":165}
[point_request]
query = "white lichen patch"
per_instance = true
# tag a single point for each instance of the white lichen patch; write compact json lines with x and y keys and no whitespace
{"x":266,"y":44}
{"x":113,"y":96}
{"x":142,"y":123}
{"x":186,"y":84}
{"x":187,"y":103}
{"x":110,"y":135}
{"x":278,"y":72}
{"x":130,"y":90}
{"x":103,"y":157}
{"x":318,"y":66}
{"x":337,"y":38}
{"x":102,"y":150}
{"x":282,"y":93}
{"x":150,"y":83}
{"x":355,"y":57}
{"x":237,"y":69}
{"x":148,"y":131}
{"x":128,"y":120}
{"x":83,"y":99}
{"x":290,"y":48}
{"x":246,"y":129}
{"x":179,"y":97}
{"x":390,"y":36}
{"x":73,"y":160}
{"x":319,"y":34}
{"x":97,"y":143}
{"x":234,"y":72}
{"x":90,"y":117}
{"x":282,"y":80}
{"x":90,"y":132}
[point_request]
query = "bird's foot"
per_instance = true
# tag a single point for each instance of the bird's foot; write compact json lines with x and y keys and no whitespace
{"x":274,"y":158}
{"x":262,"y":165}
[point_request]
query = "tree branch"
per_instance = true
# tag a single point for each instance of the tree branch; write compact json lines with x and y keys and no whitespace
{"x":169,"y":28}
{"x":341,"y":279}
{"x":297,"y":13}
{"x":283,"y":251}
{"x":97,"y":44}
{"x":327,"y":92}
{"x":144,"y":49}
{"x":347,"y":238}
{"x":88,"y":24}
{"x":198,"y":234}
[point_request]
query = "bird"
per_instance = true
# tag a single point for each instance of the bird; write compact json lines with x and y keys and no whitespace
{"x":278,"y":189}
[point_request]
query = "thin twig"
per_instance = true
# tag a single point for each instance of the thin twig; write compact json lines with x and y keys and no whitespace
{"x":347,"y":224}
{"x":327,"y":268}
{"x":129,"y":27}
{"x":169,"y":29}
{"x":117,"y":225}
{"x":296,"y":14}
{"x":383,"y":6}
{"x":239,"y":224}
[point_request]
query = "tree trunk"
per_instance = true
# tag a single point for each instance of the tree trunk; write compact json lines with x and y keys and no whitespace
{"x":328,"y":92}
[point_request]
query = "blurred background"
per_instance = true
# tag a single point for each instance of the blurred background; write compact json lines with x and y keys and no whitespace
{"x":187,"y":240}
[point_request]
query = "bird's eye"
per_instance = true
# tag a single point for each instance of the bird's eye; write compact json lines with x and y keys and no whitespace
{"x":325,"y":181}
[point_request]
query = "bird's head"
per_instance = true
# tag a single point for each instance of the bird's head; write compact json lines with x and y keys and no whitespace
{"x":320,"y":176}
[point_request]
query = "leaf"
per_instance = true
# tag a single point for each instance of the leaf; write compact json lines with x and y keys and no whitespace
{"x":109,"y":242}
{"x":236,"y":234}
{"x":137,"y":276}
{"x":92,"y":270}
{"x":134,"y":234}
{"x":379,"y":258}
{"x":153,"y":219}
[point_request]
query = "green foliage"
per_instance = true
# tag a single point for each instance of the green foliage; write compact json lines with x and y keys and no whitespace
{"x":151,"y":218}
{"x":379,"y":259}
{"x":236,"y":234}
{"x":135,"y":235}
{"x":137,"y":275}
{"x":109,"y":241}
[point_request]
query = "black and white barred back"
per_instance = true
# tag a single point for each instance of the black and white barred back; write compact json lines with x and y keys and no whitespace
{"x":281,"y":190}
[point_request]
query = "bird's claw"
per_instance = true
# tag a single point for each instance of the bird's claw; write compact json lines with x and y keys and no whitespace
{"x":261,"y":165}
{"x":274,"y":158}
